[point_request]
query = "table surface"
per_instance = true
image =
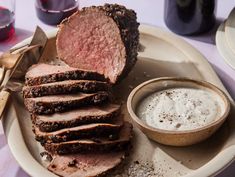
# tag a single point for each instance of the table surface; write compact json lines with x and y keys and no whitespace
{"x":149,"y":12}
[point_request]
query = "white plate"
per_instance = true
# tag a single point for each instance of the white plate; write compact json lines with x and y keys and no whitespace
{"x":222,"y":45}
{"x":230,"y":30}
{"x":165,"y":55}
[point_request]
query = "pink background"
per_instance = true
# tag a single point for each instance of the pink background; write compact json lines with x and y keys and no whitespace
{"x":149,"y":12}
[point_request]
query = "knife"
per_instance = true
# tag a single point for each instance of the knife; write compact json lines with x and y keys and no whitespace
{"x":13,"y":78}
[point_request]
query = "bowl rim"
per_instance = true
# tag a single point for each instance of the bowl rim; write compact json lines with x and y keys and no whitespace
{"x":200,"y":83}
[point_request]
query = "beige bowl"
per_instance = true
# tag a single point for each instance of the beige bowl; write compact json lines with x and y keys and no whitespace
{"x":181,"y":137}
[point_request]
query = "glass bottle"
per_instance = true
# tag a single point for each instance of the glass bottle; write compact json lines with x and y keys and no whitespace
{"x":188,"y":17}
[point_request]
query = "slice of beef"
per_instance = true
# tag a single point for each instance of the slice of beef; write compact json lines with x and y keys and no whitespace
{"x":92,"y":145}
{"x":103,"y":38}
{"x":86,"y":165}
{"x":45,"y":73}
{"x":92,"y":114}
{"x":59,"y":103}
{"x":95,"y":130}
{"x":65,"y":87}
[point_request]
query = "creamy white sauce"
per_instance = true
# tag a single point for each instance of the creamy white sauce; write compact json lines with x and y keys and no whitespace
{"x":180,"y":108}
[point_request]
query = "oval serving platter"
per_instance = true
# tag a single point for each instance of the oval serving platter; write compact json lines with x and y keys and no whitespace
{"x":161,"y":54}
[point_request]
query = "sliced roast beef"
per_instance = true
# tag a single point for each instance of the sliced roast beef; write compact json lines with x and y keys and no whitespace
{"x":59,"y":103}
{"x":94,"y":130}
{"x":63,"y":87}
{"x":92,"y":145}
{"x":73,"y":118}
{"x":85,"y":165}
{"x":104,"y":39}
{"x":45,"y":73}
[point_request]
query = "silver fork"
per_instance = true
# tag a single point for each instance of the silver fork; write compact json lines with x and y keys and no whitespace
{"x":10,"y":59}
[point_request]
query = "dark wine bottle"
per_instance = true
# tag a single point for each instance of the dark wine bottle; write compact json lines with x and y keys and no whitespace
{"x":188,"y":17}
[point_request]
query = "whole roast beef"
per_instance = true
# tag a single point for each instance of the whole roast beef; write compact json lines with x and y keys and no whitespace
{"x":103,"y":39}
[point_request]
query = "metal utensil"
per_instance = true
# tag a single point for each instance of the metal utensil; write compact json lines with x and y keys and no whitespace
{"x":9,"y":60}
{"x":21,"y":60}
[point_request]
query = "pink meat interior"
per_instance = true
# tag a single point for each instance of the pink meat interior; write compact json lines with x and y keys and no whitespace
{"x":82,"y":112}
{"x":46,"y":69}
{"x":92,"y":41}
{"x":86,"y":164}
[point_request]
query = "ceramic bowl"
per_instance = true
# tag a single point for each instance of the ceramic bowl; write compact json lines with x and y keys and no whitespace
{"x":176,"y":137}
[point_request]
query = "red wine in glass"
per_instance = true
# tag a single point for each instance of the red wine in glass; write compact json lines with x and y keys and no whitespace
{"x":7,"y":21}
{"x":52,"y":12}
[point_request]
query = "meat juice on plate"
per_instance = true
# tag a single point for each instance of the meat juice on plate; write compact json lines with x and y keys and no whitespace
{"x":52,"y":12}
{"x":7,"y":21}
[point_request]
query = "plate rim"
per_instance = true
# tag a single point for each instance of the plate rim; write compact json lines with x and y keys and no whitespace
{"x":227,"y":29}
{"x":223,"y":47}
